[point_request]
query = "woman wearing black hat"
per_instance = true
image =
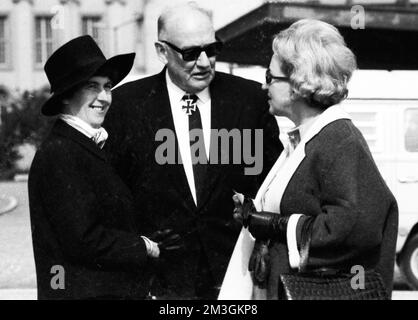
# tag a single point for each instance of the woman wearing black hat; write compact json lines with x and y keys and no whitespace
{"x":84,"y":239}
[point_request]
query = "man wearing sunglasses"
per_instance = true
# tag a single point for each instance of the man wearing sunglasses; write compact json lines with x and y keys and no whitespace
{"x":192,"y":199}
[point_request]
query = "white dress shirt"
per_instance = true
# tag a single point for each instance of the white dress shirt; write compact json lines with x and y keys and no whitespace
{"x":181,"y":125}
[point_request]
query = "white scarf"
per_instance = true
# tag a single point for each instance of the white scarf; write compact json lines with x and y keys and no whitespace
{"x":99,"y":136}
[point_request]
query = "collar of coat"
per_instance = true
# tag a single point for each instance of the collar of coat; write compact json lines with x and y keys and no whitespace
{"x":63,"y":129}
{"x":331,"y":114}
{"x":292,"y":162}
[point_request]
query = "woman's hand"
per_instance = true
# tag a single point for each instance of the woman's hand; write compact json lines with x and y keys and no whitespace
{"x":167,"y":240}
{"x":238,"y":210}
{"x":243,"y":208}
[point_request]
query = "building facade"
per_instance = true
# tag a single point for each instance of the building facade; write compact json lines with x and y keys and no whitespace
{"x":30,"y":30}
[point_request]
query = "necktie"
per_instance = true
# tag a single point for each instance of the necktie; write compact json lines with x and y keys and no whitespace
{"x":100,"y":137}
{"x":197,"y":144}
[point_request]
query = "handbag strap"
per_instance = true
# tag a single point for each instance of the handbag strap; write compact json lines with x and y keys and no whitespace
{"x":305,"y":242}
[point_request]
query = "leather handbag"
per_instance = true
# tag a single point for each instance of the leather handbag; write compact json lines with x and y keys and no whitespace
{"x":329,"y":284}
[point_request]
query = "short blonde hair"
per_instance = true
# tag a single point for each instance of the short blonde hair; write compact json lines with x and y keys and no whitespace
{"x":315,"y":57}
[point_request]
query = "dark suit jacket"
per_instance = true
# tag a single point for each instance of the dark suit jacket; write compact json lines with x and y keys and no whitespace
{"x":82,"y":219}
{"x":356,"y":214}
{"x":139,"y":110}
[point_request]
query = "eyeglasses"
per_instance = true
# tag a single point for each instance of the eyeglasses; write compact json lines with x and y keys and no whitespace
{"x":193,"y":53}
{"x":270,"y":77}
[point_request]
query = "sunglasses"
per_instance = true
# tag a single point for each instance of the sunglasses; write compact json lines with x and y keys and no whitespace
{"x":193,"y":53}
{"x":270,"y":77}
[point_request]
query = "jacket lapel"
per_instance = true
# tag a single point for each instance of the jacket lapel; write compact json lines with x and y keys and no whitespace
{"x":65,"y":130}
{"x":224,"y":115}
{"x":224,"y":112}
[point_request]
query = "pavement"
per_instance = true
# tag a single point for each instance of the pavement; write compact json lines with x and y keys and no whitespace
{"x":17,"y":267}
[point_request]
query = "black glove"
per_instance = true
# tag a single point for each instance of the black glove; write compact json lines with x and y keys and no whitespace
{"x":259,"y":263}
{"x":247,"y":207}
{"x":242,"y":211}
{"x":267,"y":225}
{"x":167,"y":240}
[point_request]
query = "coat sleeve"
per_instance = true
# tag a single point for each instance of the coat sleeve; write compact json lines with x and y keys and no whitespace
{"x":354,"y":203}
{"x":75,"y":217}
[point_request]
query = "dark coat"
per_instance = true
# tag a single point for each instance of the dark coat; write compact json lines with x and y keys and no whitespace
{"x":82,"y":219}
{"x":139,"y":110}
{"x":356,"y":214}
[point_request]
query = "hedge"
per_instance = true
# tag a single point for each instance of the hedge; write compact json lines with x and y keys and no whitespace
{"x":21,"y":122}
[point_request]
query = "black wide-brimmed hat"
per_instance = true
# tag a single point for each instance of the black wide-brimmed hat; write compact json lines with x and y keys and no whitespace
{"x":77,"y":61}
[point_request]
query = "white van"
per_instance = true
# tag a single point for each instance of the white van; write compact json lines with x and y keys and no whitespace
{"x":384,"y":106}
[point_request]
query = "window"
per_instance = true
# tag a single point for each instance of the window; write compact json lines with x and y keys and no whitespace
{"x":4,"y":42}
{"x":140,"y":43}
{"x":369,"y":123}
{"x":92,"y":25}
{"x":43,"y":40}
{"x":411,"y":130}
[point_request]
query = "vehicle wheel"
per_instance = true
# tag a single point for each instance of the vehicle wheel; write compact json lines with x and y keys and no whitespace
{"x":409,"y":262}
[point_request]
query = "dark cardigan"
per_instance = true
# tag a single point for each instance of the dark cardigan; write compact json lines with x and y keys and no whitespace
{"x":356,"y":215}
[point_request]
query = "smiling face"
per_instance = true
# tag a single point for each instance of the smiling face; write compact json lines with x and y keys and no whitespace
{"x":90,"y":101}
{"x":196,"y":30}
{"x":279,"y":91}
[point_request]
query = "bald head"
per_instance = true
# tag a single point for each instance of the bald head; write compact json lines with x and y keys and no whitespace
{"x":187,"y":28}
{"x":185,"y":21}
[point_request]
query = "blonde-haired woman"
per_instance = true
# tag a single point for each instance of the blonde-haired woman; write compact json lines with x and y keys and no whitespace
{"x":326,"y":174}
